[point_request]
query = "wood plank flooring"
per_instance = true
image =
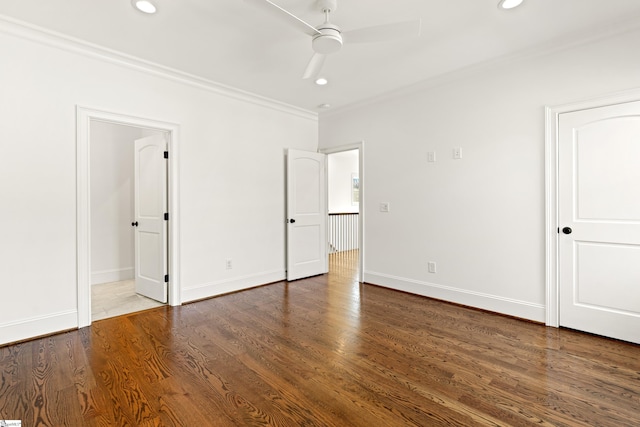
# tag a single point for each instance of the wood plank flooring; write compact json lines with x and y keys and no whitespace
{"x":324,"y":351}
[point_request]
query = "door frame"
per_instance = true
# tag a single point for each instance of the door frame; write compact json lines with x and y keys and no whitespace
{"x":361,"y":175}
{"x":84,"y":117}
{"x":552,"y":117}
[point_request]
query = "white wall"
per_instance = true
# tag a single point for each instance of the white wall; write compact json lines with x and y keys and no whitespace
{"x":481,"y":218}
{"x":231,"y":190}
{"x":112,"y":237}
{"x":340,"y":167}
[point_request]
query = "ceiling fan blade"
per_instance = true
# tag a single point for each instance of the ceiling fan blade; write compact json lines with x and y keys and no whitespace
{"x":381,"y":33}
{"x":315,"y":66}
{"x":284,"y":15}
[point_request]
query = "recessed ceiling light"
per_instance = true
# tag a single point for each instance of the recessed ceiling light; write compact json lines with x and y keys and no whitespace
{"x":322,"y":81}
{"x":145,"y":6}
{"x":509,"y":4}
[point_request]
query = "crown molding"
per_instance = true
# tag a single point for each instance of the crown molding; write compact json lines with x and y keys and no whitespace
{"x":50,"y":38}
{"x":573,"y":40}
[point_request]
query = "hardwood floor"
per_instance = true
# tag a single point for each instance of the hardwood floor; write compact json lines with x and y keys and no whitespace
{"x":324,"y":351}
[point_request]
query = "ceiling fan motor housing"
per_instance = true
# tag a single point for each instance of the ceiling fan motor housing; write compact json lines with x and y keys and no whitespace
{"x":328,"y":41}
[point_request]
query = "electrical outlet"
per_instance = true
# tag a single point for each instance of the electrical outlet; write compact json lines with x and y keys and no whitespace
{"x":431,"y":266}
{"x":431,"y":156}
{"x":457,"y":153}
{"x":228,"y":263}
{"x":385,"y":207}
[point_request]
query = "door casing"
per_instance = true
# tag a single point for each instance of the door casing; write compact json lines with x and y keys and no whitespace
{"x":84,"y":117}
{"x":552,"y":114}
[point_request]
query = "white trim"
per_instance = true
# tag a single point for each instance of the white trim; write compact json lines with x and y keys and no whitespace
{"x":221,"y":287}
{"x":361,"y":220}
{"x":552,"y":115}
{"x":38,"y":326}
{"x":551,"y":217}
{"x":84,"y":116}
{"x":113,"y":275}
{"x":494,"y":303}
{"x":47,"y":37}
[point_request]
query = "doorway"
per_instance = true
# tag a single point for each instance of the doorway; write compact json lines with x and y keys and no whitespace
{"x":89,"y":199}
{"x":113,"y":213}
{"x":345,"y":207}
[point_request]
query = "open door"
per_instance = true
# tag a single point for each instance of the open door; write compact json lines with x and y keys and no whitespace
{"x":307,"y":253}
{"x":150,"y":196}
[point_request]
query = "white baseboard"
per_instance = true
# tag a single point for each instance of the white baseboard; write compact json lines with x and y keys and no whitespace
{"x":38,"y":326}
{"x":207,"y":290}
{"x":115,"y":275}
{"x":497,"y":304}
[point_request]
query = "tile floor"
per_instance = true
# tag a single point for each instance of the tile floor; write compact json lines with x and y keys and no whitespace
{"x":117,"y":298}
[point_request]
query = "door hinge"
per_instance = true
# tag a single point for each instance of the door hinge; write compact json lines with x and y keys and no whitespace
{"x":166,"y":216}
{"x":166,"y":154}
{"x":166,"y":278}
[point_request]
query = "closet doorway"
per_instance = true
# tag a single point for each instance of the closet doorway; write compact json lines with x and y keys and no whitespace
{"x":106,"y":218}
{"x":114,"y":222}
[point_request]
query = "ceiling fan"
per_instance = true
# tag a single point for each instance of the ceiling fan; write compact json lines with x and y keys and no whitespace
{"x":328,"y":38}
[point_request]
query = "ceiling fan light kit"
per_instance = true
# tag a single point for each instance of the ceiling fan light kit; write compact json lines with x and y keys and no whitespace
{"x":328,"y":41}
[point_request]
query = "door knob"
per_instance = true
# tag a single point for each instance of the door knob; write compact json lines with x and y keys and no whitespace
{"x":292,"y":220}
{"x":567,"y":230}
{"x":134,"y":224}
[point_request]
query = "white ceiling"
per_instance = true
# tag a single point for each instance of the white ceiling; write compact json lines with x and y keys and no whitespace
{"x":235,"y":44}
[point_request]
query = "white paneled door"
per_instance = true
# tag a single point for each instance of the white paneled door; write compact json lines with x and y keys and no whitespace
{"x":307,"y":253}
{"x":150,"y":226}
{"x":599,"y":218}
